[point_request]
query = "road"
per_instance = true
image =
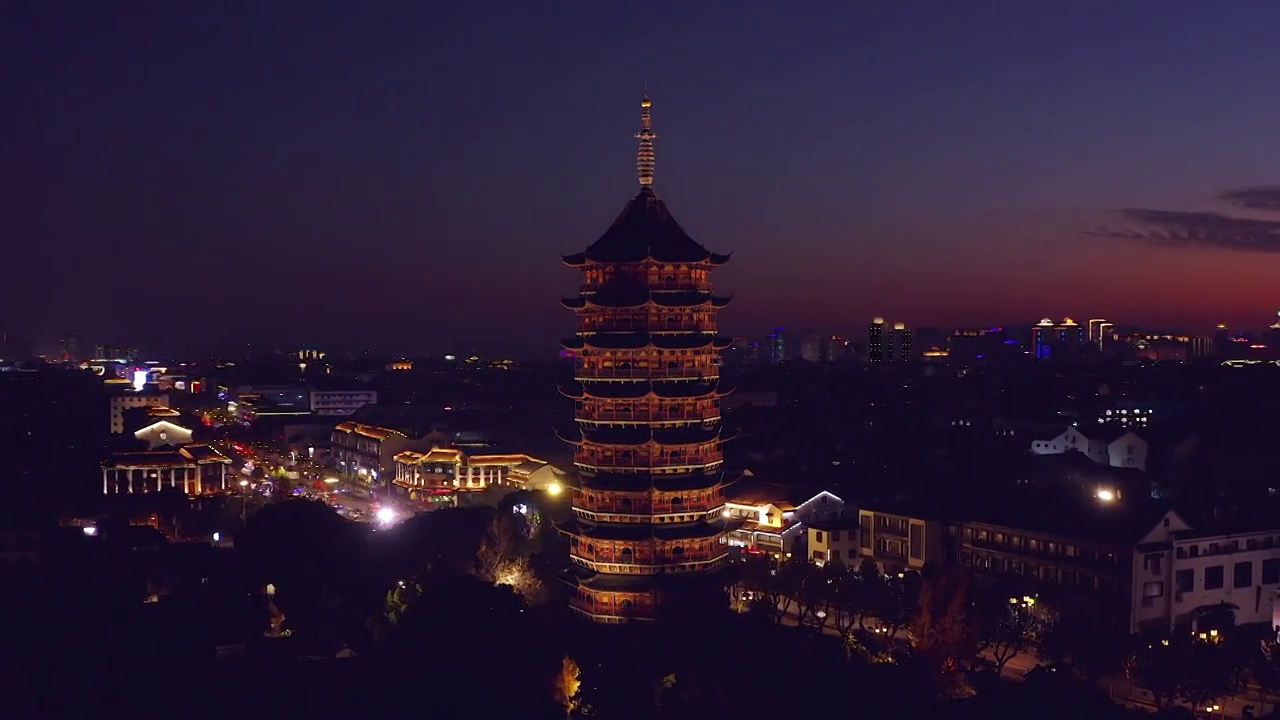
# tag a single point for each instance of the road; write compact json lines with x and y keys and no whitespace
{"x":1120,"y":689}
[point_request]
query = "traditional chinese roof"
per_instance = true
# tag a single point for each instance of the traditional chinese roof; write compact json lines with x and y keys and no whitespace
{"x":645,"y":388}
{"x":369,"y":431}
{"x":203,"y":454}
{"x":634,"y":297}
{"x":645,"y":230}
{"x":636,"y":341}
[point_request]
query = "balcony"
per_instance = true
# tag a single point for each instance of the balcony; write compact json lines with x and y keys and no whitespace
{"x":891,"y":529}
{"x":646,"y":325}
{"x":647,"y":508}
{"x":588,"y":372}
{"x":590,"y":413}
{"x":644,"y":461}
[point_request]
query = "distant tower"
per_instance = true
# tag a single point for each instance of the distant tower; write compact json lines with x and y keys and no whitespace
{"x":900,"y":345}
{"x":777,"y":345}
{"x":1096,"y":328}
{"x":646,"y":537}
{"x":875,"y":341}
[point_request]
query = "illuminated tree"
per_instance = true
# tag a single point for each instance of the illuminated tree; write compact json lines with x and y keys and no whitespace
{"x":497,"y":548}
{"x":519,"y":576}
{"x":943,"y":630}
{"x":568,"y":683}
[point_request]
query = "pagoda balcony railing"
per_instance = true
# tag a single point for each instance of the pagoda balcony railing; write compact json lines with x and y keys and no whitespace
{"x":584,"y":372}
{"x":606,"y":516}
{"x":647,"y":461}
{"x":588,"y":414}
{"x":656,"y":326}
{"x":646,"y":508}
{"x":640,"y":560}
{"x":657,"y":283}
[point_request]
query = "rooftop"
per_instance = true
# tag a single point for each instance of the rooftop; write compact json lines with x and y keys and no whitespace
{"x":784,"y":497}
{"x":645,"y":230}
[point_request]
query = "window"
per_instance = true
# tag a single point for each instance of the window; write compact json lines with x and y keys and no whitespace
{"x":1153,"y":590}
{"x":1271,"y":571}
{"x":835,"y":536}
{"x":817,"y":536}
{"x":835,"y":554}
{"x":1243,"y":573}
{"x":1151,"y":562}
{"x":1185,"y":580}
{"x":1213,"y":578}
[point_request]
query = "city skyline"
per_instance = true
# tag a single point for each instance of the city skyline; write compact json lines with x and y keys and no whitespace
{"x":425,"y":169}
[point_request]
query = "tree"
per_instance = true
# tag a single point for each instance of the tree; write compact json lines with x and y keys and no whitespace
{"x":1158,"y":668}
{"x":1009,"y":622}
{"x":846,"y":600}
{"x":497,"y":547}
{"x":1214,"y":670}
{"x":1085,"y":639}
{"x":568,"y":683}
{"x":302,"y":547}
{"x":1264,"y":667}
{"x":943,"y":630}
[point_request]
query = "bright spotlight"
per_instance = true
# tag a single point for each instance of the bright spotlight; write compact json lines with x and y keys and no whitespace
{"x":554,"y":489}
{"x":331,"y":480}
{"x":386,"y":515}
{"x":1106,"y":495}
{"x":90,"y":530}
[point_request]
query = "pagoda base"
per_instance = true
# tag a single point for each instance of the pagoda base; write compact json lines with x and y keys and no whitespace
{"x":617,"y":599}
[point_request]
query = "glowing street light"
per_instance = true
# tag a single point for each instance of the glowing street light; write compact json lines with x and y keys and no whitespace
{"x":1106,"y":495}
{"x":386,"y":515}
{"x":554,"y":489}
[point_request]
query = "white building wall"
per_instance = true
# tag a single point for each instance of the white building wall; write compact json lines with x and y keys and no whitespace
{"x":1157,"y":599}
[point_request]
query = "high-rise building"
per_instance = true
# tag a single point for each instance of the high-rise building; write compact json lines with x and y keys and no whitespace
{"x":647,"y":537}
{"x":834,"y":348}
{"x":875,"y":341}
{"x":1097,"y":326}
{"x":811,"y":347}
{"x":1052,"y":340}
{"x":777,"y":346}
{"x":899,"y":344}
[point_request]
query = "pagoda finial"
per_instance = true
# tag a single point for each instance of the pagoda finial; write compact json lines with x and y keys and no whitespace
{"x":644,"y":156}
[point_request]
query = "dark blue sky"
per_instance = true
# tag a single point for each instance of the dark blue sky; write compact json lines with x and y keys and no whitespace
{"x":394,"y":173}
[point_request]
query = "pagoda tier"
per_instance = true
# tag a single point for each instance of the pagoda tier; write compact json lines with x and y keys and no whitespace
{"x":617,"y":298}
{"x":640,"y":389}
{"x":645,"y":341}
{"x":648,"y":497}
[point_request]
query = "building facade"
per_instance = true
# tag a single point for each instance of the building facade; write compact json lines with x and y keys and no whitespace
{"x":192,"y":469}
{"x":897,"y":541}
{"x":648,"y":531}
{"x":452,"y":469}
{"x":341,"y":403}
{"x":1180,"y":573}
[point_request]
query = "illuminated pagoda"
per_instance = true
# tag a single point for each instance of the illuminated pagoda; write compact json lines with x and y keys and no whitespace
{"x":648,"y":528}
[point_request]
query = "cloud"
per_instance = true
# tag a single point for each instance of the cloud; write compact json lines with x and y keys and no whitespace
{"x":1172,"y":228}
{"x":1262,"y":197}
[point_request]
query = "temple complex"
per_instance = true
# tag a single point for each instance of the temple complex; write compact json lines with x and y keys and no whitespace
{"x":648,"y":531}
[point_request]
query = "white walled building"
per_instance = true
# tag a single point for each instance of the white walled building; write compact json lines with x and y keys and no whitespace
{"x":1116,"y":448}
{"x":1178,"y":571}
{"x":163,"y":432}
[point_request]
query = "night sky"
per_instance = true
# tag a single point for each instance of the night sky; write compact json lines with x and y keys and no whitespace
{"x":406,"y":175}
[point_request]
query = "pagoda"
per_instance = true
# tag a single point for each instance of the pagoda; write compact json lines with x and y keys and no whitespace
{"x":647,"y":537}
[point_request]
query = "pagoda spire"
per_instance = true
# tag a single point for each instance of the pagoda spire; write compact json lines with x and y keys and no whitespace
{"x":644,"y":156}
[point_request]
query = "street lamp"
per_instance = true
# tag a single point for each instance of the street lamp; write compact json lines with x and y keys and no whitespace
{"x":244,"y":501}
